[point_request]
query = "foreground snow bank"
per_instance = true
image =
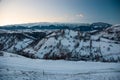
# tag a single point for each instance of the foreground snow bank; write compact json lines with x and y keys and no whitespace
{"x":21,"y":68}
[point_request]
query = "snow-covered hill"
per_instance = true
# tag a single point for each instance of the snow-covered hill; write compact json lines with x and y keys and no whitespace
{"x":95,"y":45}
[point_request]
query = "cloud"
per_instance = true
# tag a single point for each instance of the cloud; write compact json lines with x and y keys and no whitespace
{"x":80,"y":15}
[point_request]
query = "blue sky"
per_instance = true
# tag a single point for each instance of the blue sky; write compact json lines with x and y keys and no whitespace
{"x":75,"y":11}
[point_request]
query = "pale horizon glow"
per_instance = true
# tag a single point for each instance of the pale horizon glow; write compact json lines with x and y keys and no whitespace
{"x":74,"y":11}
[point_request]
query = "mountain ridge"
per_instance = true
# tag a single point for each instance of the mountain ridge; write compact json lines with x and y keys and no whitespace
{"x":96,"y":45}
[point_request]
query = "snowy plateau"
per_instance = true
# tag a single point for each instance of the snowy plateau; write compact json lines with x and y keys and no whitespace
{"x":47,"y":51}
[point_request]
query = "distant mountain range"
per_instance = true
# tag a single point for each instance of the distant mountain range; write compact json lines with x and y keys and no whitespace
{"x":42,"y":26}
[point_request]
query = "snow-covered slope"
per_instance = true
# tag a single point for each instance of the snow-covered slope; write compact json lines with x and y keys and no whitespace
{"x":66,"y":44}
{"x":14,"y":67}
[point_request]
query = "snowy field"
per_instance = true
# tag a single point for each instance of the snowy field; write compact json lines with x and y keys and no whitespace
{"x":14,"y":67}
